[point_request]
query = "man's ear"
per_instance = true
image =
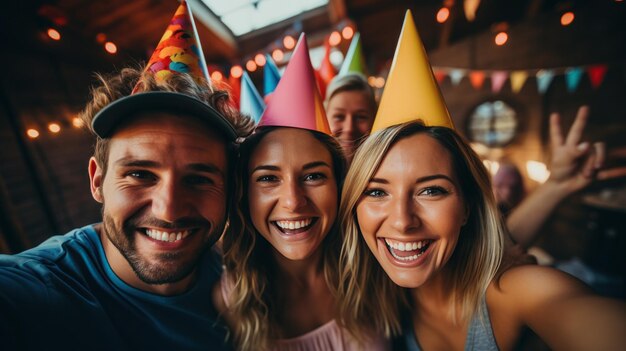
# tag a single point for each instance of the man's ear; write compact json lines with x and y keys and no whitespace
{"x":95,"y":179}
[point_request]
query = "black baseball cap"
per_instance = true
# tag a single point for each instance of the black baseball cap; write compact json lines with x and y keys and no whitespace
{"x":110,"y":117}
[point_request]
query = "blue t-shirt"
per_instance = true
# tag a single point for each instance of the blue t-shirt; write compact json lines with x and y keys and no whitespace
{"x":64,"y":295}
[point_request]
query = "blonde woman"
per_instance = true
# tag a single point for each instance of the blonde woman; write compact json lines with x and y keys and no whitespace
{"x":423,"y":256}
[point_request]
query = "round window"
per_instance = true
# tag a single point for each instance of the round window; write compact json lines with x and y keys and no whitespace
{"x":493,"y":123}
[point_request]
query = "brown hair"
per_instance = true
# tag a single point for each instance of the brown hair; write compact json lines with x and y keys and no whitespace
{"x":115,"y":86}
{"x":248,"y":259}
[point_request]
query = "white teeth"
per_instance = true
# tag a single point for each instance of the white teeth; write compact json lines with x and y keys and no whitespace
{"x":166,"y":236}
{"x":294,"y":224}
{"x":406,"y":246}
{"x":408,"y":258}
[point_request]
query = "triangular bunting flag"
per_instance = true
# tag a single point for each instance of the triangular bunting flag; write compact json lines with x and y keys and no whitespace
{"x":572,"y":78}
{"x":544,"y":78}
{"x":456,"y":75}
{"x":518,"y":78}
{"x":596,"y":74}
{"x":477,"y":78}
{"x":440,"y":75}
{"x":497,"y":80}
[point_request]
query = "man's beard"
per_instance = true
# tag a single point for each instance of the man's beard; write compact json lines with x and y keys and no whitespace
{"x":172,"y":266}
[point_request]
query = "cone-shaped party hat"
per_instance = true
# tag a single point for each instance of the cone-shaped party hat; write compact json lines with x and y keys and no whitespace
{"x":321,"y":84}
{"x":354,"y":61}
{"x":178,"y":52}
{"x":179,"y":49}
{"x":271,"y":76}
{"x":327,"y":70}
{"x":296,"y":102}
{"x":411,"y":91}
{"x":250,"y":101}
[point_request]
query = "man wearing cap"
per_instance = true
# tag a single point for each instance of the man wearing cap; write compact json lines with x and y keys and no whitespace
{"x":162,"y":169}
{"x":143,"y":277}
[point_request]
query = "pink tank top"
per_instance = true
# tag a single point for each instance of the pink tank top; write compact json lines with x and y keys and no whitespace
{"x":329,"y":336}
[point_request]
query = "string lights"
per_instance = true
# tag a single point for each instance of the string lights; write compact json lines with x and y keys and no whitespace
{"x":567,"y":18}
{"x":443,"y":14}
{"x":53,"y":34}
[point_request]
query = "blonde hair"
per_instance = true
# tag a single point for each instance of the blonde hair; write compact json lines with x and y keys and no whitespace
{"x":351,"y":82}
{"x":368,"y":297}
{"x":249,"y":260}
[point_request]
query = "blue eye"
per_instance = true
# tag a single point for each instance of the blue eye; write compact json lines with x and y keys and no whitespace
{"x":434,"y":191}
{"x":374,"y":193}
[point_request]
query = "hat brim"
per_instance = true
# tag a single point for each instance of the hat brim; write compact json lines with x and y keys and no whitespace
{"x":119,"y":111}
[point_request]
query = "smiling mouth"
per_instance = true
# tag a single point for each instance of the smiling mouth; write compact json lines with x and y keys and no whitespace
{"x":294,"y":226}
{"x":407,"y":250}
{"x":168,"y":236}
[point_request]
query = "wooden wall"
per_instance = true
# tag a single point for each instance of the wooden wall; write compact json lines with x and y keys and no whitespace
{"x":595,"y":234}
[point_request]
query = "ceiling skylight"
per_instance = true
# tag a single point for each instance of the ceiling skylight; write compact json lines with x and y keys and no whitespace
{"x":243,"y":16}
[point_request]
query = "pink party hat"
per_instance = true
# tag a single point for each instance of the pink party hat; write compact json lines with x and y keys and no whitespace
{"x":296,"y":102}
{"x":179,"y":49}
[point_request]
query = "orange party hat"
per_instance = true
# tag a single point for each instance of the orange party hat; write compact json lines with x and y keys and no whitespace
{"x":296,"y":102}
{"x":411,"y":92}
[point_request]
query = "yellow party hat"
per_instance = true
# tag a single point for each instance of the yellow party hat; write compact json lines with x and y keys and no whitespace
{"x":411,"y":92}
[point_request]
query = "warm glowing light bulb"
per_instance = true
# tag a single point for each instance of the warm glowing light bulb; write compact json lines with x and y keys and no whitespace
{"x":77,"y":122}
{"x":54,"y":127}
{"x":537,"y":171}
{"x":54,"y":34}
{"x":32,"y":133}
{"x":380,"y":82}
{"x":347,"y":32}
{"x":278,"y":55}
{"x":289,"y":42}
{"x":236,"y":71}
{"x":334,"y":39}
{"x":567,"y":18}
{"x":110,"y":47}
{"x":217,"y":76}
{"x":259,"y":59}
{"x":501,"y":38}
{"x":251,"y":66}
{"x":443,"y":14}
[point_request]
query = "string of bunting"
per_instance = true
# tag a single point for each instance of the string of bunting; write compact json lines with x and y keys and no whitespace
{"x":544,"y":77}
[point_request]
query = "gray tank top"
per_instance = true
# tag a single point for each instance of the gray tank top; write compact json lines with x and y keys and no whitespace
{"x":479,"y":336}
